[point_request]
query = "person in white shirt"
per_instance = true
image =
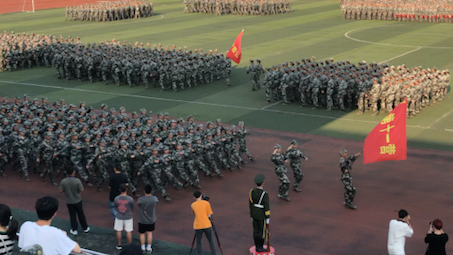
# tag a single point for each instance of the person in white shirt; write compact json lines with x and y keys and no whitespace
{"x":398,"y":231}
{"x":51,"y":239}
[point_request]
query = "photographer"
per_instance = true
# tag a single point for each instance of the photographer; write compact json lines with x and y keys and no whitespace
{"x":202,"y":222}
{"x":436,"y":238}
{"x":398,"y":231}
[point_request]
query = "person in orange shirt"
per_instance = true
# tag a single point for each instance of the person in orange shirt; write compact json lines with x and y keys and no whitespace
{"x":202,"y":222}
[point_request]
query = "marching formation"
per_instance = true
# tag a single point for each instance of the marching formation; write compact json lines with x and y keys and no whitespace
{"x":344,"y":85}
{"x":110,"y":10}
{"x":294,"y":155}
{"x":239,"y":7}
{"x":399,"y":10}
{"x":38,"y":136}
{"x":28,"y":50}
{"x":124,"y":63}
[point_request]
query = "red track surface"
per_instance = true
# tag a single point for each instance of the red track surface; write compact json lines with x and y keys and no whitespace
{"x":315,"y":221}
{"x":7,"y":6}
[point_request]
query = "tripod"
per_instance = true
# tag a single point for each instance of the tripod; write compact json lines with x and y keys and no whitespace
{"x":216,"y":236}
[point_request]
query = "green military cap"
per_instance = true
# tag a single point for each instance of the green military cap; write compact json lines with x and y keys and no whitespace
{"x":277,"y":146}
{"x":209,"y":122}
{"x":342,"y":151}
{"x":241,"y":123}
{"x":259,"y":178}
{"x":35,"y":99}
{"x":226,"y":128}
{"x":197,"y":138}
{"x":62,"y":100}
{"x":74,"y":134}
{"x":165,"y":113}
{"x":143,"y":110}
{"x":26,"y":96}
{"x":294,"y":142}
{"x":200,"y":125}
{"x":180,"y":120}
{"x":160,"y":114}
{"x":5,"y":98}
{"x":147,"y":140}
{"x":122,"y":108}
{"x":190,"y":116}
{"x":218,"y":121}
{"x":232,"y":127}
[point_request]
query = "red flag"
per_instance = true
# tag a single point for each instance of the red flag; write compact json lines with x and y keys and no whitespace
{"x":388,"y":141}
{"x":235,"y":52}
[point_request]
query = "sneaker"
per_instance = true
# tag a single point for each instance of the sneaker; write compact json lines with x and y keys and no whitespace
{"x":149,"y":249}
{"x":286,"y":198}
{"x":73,"y":232}
{"x":119,"y":247}
{"x":351,"y":206}
{"x":297,"y":189}
{"x":167,"y":198}
{"x":87,"y":230}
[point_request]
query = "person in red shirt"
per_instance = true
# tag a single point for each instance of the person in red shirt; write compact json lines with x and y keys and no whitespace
{"x":202,"y":222}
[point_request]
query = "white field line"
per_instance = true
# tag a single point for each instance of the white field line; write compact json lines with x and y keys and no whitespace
{"x":200,"y":103}
{"x":267,"y":106}
{"x":404,"y":54}
{"x":441,"y":118}
{"x":390,"y":44}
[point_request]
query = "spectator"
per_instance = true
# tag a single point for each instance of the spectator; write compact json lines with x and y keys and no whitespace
{"x":147,"y":218}
{"x":123,"y":221}
{"x":72,"y":187}
{"x":51,"y":239}
{"x":202,"y":223}
{"x":398,"y":231}
{"x":436,"y":238}
{"x":116,"y":179}
{"x":8,"y":230}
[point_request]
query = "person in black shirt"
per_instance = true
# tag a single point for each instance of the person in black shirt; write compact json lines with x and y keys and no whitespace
{"x":436,"y":238}
{"x":116,"y":179}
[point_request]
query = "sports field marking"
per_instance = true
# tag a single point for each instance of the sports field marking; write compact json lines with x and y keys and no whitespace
{"x":210,"y":104}
{"x":390,"y":44}
{"x":441,"y":118}
{"x":268,"y":106}
{"x":404,"y":54}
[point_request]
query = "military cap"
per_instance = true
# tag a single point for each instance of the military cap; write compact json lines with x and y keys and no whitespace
{"x":251,"y":60}
{"x":294,"y":142}
{"x":190,"y":116}
{"x":26,"y":96}
{"x":133,"y":131}
{"x":226,"y":128}
{"x":143,"y":110}
{"x":232,"y":127}
{"x":104,"y":105}
{"x":147,"y":140}
{"x":259,"y":178}
{"x":166,"y":148}
{"x":188,"y":141}
{"x":200,"y":125}
{"x":180,"y":120}
{"x":196,"y":138}
{"x":165,"y":113}
{"x":73,"y":133}
{"x":218,"y":121}
{"x":209,"y":123}
{"x":5,"y":98}
{"x":35,"y":99}
{"x":21,"y":130}
{"x":241,"y":123}
{"x":342,"y":151}
{"x":48,"y":134}
{"x":124,"y":143}
{"x":258,"y":60}
{"x":277,"y":146}
{"x":62,"y":100}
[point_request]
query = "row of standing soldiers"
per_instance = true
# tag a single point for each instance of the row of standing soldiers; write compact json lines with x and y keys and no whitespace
{"x":239,"y":7}
{"x":344,"y":84}
{"x":35,"y":133}
{"x":110,"y":11}
{"x":124,"y":63}
{"x":421,"y":87}
{"x":19,"y":51}
{"x":400,"y":10}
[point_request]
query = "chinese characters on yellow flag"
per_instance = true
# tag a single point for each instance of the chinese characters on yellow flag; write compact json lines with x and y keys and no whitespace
{"x":235,"y":52}
{"x":388,"y":141}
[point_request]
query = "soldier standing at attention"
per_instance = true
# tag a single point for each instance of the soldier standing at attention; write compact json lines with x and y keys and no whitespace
{"x":252,"y":71}
{"x":294,"y":155}
{"x":279,"y":160}
{"x":346,"y":168}
{"x":259,"y":212}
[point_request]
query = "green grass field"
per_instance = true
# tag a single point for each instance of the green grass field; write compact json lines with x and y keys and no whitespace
{"x":315,"y":28}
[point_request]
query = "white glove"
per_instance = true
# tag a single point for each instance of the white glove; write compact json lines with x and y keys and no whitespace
{"x":268,"y":220}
